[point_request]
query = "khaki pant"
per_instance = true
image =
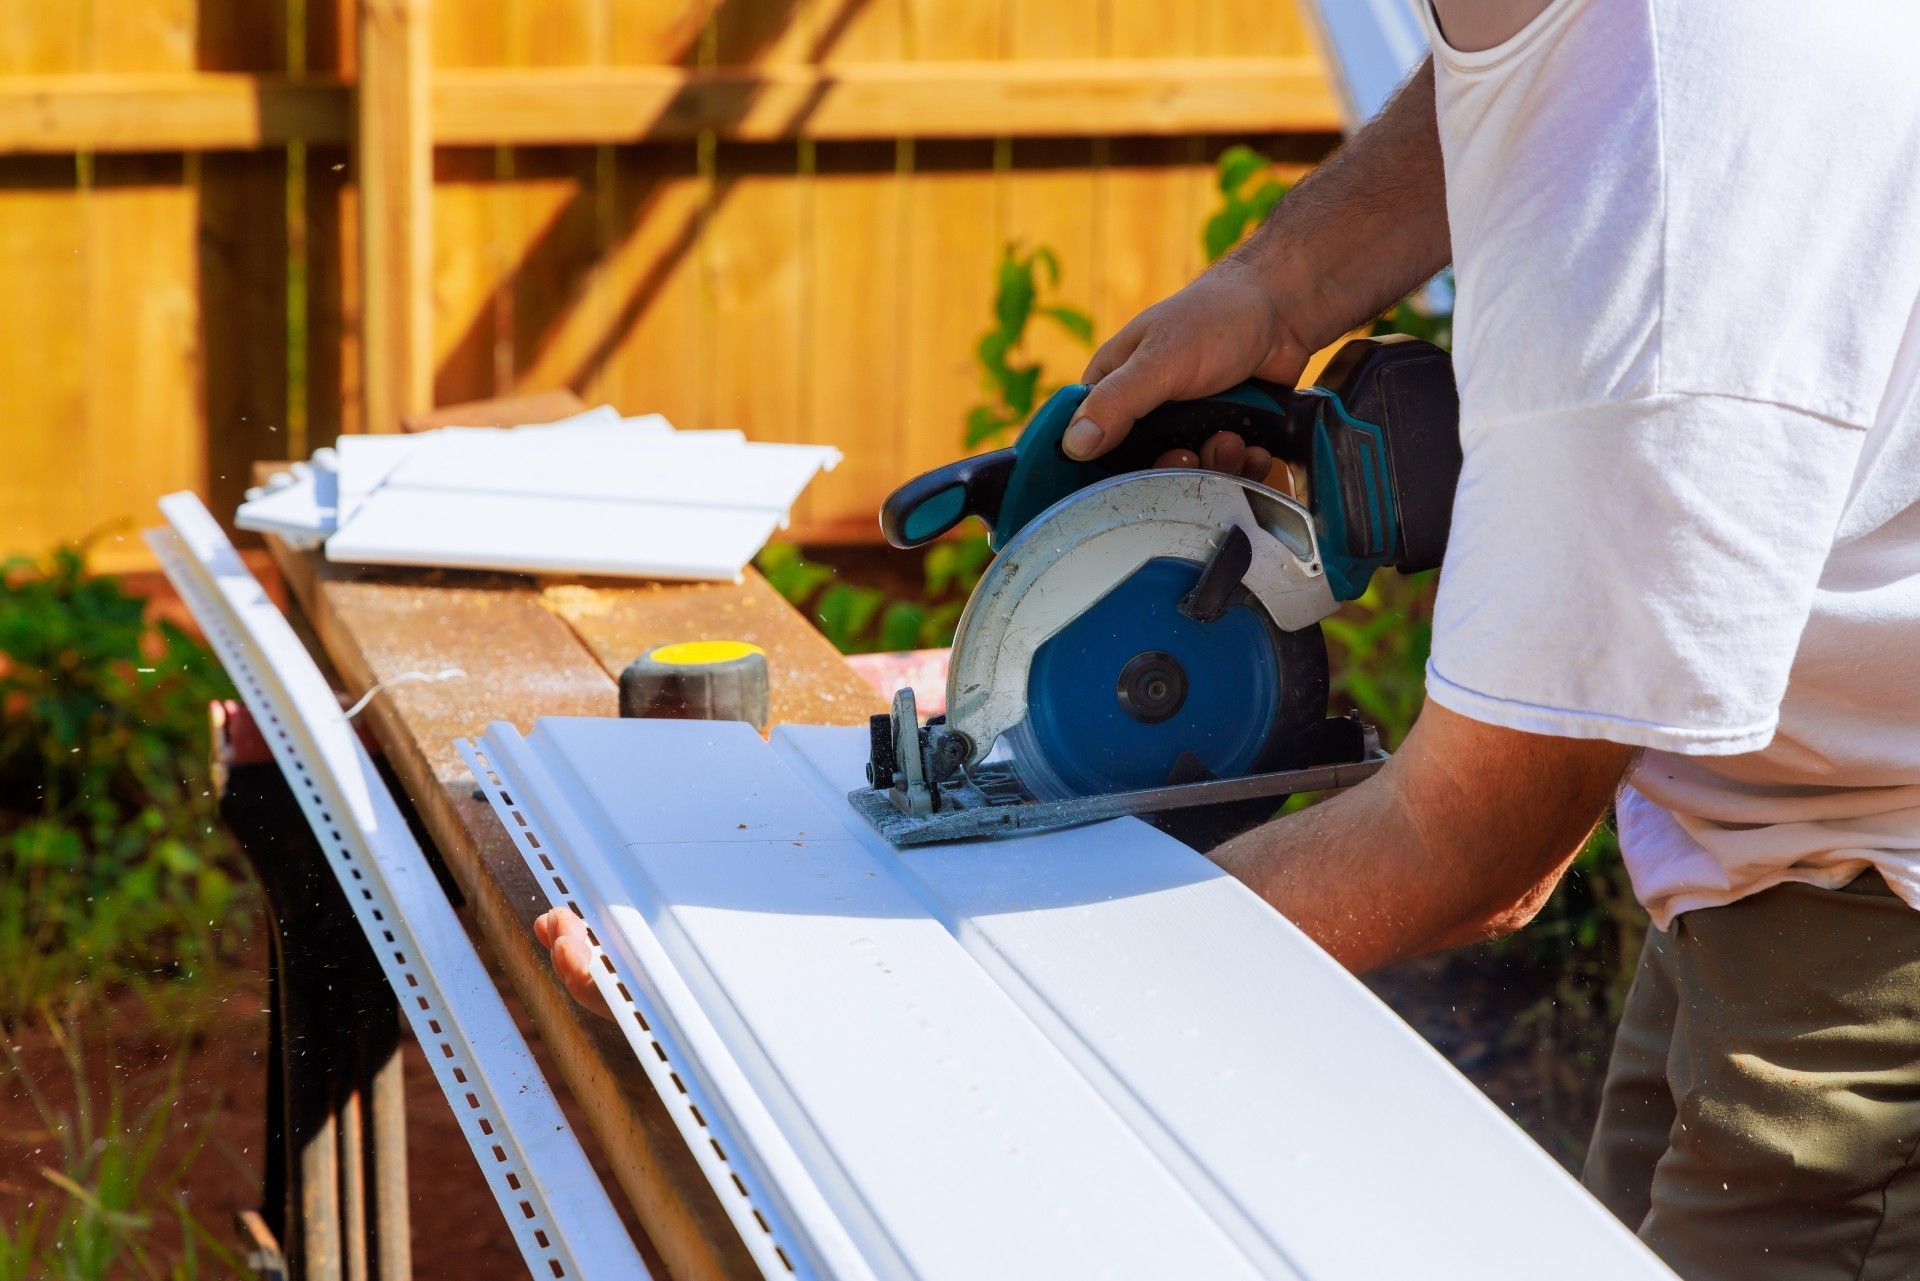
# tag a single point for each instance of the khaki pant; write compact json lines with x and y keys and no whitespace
{"x":1762,"y":1110}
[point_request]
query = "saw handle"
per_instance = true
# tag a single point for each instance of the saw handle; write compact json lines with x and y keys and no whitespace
{"x":932,"y":503}
{"x":1262,"y":414}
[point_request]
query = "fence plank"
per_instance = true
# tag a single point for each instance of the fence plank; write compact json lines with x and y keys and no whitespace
{"x":44,"y":491}
{"x":753,"y":246}
{"x":855,"y":296}
{"x":954,"y":225}
{"x":552,"y":208}
{"x":396,"y":195}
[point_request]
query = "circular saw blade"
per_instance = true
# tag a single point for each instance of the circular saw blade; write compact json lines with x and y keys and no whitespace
{"x":1132,"y":693}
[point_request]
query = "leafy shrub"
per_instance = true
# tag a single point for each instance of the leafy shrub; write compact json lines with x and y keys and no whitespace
{"x":864,"y":620}
{"x":112,"y":866}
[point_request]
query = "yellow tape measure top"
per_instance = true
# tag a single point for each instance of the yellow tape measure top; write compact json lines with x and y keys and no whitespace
{"x":704,"y":653}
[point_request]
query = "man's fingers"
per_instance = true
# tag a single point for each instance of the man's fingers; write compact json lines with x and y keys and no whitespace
{"x":1257,"y":463}
{"x":1109,"y":411}
{"x":1177,"y":458}
{"x":1223,"y":452}
{"x":573,"y":962}
{"x":1113,"y":353}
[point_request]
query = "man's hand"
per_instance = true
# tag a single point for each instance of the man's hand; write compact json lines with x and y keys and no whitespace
{"x":1460,"y":837}
{"x":564,"y":935}
{"x":1220,"y":330}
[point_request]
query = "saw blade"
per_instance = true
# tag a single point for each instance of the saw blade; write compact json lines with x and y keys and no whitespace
{"x":1134,"y":694}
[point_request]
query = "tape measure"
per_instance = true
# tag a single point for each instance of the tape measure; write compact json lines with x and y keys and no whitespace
{"x":698,"y":681}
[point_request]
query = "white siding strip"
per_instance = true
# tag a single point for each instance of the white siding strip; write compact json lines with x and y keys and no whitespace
{"x":555,"y":1206}
{"x":550,"y":535}
{"x":1293,"y":1102}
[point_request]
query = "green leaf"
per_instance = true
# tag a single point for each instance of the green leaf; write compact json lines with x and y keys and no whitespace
{"x":941,"y":620}
{"x":1237,"y":164}
{"x":1018,"y":388}
{"x":900,"y":626}
{"x":844,"y":612}
{"x":982,"y":423}
{"x":1073,"y":320}
{"x":1270,"y":194}
{"x":791,"y":574}
{"x":1045,"y":258}
{"x":991,"y":353}
{"x":1222,"y":231}
{"x":941,"y":566}
{"x":1013,"y":301}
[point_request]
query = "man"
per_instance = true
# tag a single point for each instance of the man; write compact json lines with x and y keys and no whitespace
{"x":1685,"y":556}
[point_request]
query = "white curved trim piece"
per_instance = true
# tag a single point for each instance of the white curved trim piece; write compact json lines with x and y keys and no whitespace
{"x":559,"y":1213}
{"x":786,"y":1225}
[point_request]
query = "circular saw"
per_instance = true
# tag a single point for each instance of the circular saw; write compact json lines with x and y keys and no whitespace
{"x":1147,"y":640}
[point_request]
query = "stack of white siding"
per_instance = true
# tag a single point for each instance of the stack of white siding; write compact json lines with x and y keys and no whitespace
{"x":592,"y":494}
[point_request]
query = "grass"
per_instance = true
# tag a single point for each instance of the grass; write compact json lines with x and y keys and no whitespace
{"x":91,"y":1209}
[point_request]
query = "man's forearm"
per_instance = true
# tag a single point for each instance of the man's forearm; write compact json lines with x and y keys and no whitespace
{"x":1364,"y":229}
{"x":1460,"y":837}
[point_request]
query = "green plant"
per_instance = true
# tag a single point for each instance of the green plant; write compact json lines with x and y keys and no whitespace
{"x":1248,"y":193}
{"x":1012,"y":382}
{"x":89,"y":1209}
{"x":112,"y":865}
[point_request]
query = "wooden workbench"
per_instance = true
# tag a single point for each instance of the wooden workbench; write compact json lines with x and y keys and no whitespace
{"x":533,"y":648}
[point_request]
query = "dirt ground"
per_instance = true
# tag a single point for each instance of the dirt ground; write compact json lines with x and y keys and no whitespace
{"x":217,"y":1126}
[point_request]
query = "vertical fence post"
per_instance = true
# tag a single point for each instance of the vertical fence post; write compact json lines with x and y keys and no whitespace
{"x":395,"y":143}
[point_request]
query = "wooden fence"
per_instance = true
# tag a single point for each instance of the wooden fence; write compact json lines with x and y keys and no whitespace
{"x":231,"y":229}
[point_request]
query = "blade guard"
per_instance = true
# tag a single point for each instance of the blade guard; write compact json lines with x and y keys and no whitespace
{"x":1061,"y":563}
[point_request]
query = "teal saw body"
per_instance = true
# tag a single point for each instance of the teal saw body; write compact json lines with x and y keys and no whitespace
{"x":1378,"y":437}
{"x":1145,"y":632}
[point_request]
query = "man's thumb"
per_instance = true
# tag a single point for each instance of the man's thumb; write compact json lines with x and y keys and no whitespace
{"x":1108,"y":413}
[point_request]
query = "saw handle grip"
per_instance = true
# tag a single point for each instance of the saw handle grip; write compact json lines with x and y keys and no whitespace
{"x":932,"y":503}
{"x":1262,"y":414}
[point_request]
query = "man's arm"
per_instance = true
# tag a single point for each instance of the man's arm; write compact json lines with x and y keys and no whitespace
{"x":1460,"y":837}
{"x":1362,"y":230}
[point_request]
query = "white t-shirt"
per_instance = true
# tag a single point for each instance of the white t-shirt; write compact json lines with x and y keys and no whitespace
{"x":1686,"y":238}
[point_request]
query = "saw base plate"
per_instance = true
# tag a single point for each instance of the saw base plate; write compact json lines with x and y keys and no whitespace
{"x":989,"y":800}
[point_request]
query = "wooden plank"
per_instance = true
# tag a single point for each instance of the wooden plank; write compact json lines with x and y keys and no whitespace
{"x":948,"y":99}
{"x":243,"y":302}
{"x":168,"y":111}
{"x":505,"y":411}
{"x":199,"y":111}
{"x":811,"y":683}
{"x":647,"y":357}
{"x":753,"y":246}
{"x":522,"y":663}
{"x":144,"y":312}
{"x":552,"y":210}
{"x":474,"y":256}
{"x":395,"y":166}
{"x":855,"y":309}
{"x":648,"y":352}
{"x":858,"y":320}
{"x":43,"y":365}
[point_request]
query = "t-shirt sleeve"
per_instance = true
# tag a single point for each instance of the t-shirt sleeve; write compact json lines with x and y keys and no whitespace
{"x":1637,"y":570}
